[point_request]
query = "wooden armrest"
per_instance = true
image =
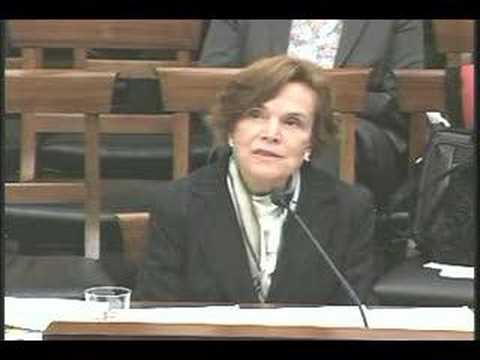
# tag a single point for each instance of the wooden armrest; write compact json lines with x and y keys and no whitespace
{"x":134,"y":227}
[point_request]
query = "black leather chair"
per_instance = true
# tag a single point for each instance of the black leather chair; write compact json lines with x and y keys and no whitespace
{"x":132,"y":156}
{"x":410,"y":284}
{"x":132,"y":49}
{"x":45,"y":252}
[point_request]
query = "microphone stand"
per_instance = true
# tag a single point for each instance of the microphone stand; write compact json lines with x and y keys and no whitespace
{"x":280,"y":200}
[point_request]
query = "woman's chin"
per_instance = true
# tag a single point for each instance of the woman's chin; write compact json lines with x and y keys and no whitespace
{"x":266,"y":181}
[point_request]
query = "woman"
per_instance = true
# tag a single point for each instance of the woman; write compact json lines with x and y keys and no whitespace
{"x":217,"y":237}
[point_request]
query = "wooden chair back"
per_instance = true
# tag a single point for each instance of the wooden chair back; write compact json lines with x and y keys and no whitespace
{"x":420,"y":91}
{"x":182,"y":37}
{"x":195,"y":89}
{"x":60,"y":91}
{"x":455,"y":38}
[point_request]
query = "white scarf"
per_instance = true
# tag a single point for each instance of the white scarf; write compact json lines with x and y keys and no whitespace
{"x":261,"y":224}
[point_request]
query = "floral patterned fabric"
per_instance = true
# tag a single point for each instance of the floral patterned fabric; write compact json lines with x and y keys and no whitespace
{"x":315,"y":40}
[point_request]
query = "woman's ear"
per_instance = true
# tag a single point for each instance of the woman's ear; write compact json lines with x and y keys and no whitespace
{"x":230,"y":141}
{"x":306,"y":156}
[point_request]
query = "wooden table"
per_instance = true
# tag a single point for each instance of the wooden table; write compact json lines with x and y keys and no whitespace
{"x":152,"y":331}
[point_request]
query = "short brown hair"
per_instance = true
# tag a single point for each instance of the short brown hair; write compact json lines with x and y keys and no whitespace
{"x":261,"y":82}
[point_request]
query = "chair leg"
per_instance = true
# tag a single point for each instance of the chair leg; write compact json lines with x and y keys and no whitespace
{"x":181,"y":145}
{"x":28,"y":146}
{"x":92,"y":182}
{"x":347,"y":147}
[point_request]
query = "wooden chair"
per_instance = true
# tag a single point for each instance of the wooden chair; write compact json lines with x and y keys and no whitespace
{"x":408,"y":283}
{"x":195,"y":89}
{"x":455,"y":39}
{"x":59,"y":91}
{"x":182,"y":37}
{"x":420,"y":91}
{"x":34,"y":36}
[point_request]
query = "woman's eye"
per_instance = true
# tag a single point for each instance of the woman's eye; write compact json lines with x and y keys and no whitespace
{"x":255,"y":113}
{"x":292,"y":121}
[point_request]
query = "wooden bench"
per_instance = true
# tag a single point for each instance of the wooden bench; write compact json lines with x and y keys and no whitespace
{"x":59,"y":91}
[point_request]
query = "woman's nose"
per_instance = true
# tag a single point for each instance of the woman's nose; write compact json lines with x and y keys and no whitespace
{"x":271,"y":130}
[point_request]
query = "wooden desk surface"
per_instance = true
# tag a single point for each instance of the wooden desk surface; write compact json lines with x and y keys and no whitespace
{"x":151,"y":331}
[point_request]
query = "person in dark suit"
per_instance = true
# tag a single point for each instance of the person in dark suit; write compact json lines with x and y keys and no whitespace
{"x":382,"y":133}
{"x":217,"y":237}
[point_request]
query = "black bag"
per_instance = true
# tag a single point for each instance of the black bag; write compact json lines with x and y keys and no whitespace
{"x":435,"y":206}
{"x":444,"y":223}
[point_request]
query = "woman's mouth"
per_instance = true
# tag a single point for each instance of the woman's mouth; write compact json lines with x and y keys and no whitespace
{"x":266,"y":153}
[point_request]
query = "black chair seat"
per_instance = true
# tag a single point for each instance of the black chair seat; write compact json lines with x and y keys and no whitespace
{"x":122,"y":156}
{"x":409,"y":284}
{"x":55,"y":229}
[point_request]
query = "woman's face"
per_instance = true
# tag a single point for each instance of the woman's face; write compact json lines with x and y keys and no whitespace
{"x":271,"y":141}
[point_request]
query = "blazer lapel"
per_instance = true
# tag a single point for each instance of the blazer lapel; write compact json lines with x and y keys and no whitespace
{"x":351,"y":32}
{"x":220,"y":236}
{"x":317,"y":207}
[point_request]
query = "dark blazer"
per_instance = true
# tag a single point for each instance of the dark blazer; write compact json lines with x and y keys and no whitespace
{"x":196,"y":251}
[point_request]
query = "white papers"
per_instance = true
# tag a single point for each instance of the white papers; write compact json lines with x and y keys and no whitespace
{"x":16,"y":334}
{"x":37,"y":313}
{"x":435,"y":318}
{"x":423,"y":318}
{"x":233,"y":315}
{"x":437,"y":118}
{"x":452,"y":271}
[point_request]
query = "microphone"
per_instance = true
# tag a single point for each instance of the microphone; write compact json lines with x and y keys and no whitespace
{"x":282,"y":198}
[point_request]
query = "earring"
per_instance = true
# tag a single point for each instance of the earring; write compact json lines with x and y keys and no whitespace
{"x":306,"y":156}
{"x":230,"y":142}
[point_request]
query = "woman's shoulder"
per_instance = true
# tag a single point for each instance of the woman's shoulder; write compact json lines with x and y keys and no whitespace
{"x":343,"y":191}
{"x":176,"y":192}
